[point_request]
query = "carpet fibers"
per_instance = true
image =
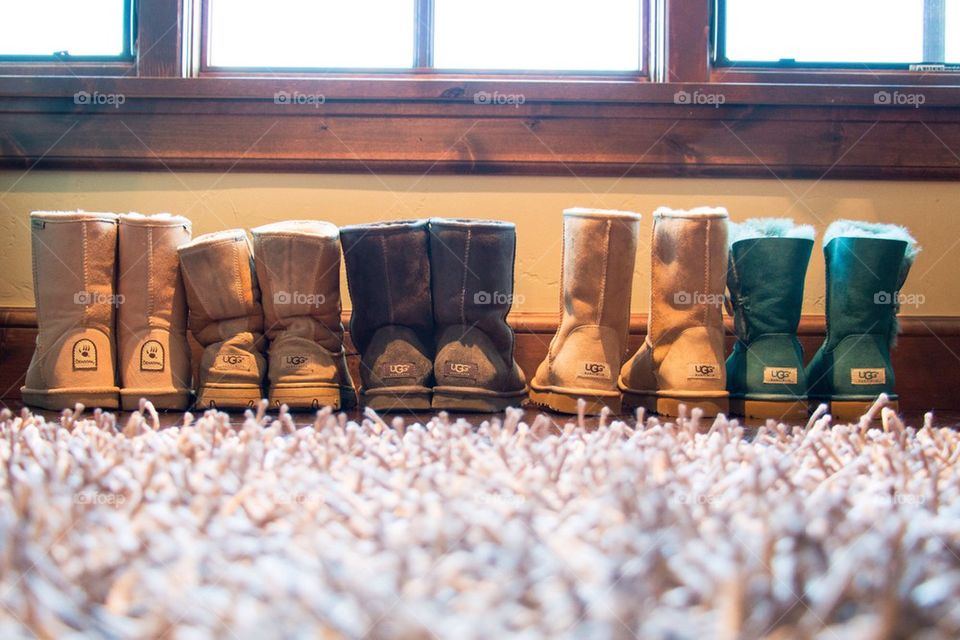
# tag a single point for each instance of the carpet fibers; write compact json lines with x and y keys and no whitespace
{"x":656,"y":529}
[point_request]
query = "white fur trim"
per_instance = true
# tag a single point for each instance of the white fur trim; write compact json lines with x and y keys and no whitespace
{"x":586,"y":212}
{"x":877,"y":230}
{"x":154,"y":220}
{"x":213,"y":238}
{"x":319,"y":228}
{"x":769,"y":228}
{"x":68,"y":216}
{"x":696,"y":212}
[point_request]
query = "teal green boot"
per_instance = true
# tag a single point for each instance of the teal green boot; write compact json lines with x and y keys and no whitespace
{"x":768,"y":262}
{"x":867,"y":263}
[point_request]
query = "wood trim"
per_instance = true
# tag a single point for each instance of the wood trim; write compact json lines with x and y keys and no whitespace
{"x":688,"y":41}
{"x":926,"y":358}
{"x":159,"y":34}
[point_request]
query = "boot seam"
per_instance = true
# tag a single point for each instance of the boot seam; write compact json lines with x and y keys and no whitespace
{"x":463,"y":285}
{"x":386,"y":275}
{"x":606,"y":266}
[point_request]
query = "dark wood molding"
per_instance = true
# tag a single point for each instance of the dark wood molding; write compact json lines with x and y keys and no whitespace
{"x":926,"y":358}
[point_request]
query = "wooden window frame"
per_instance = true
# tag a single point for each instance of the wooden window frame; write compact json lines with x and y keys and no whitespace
{"x":772,"y":123}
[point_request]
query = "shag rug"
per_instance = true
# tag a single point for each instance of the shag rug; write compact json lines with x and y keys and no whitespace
{"x":653,"y":529}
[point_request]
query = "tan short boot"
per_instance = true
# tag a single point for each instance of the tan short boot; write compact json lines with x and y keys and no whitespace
{"x":74,"y":260}
{"x":154,"y":357}
{"x":681,"y":360}
{"x":599,"y":253}
{"x":298,"y":268}
{"x":471,"y":267}
{"x":225,"y":318}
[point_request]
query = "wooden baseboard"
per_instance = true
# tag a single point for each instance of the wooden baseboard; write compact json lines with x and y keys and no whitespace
{"x":926,"y":359}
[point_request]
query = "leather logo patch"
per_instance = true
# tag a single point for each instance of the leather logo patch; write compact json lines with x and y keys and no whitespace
{"x":151,"y":356}
{"x":461,"y":370}
{"x":779,"y":375}
{"x":295,"y":362}
{"x":397,"y":370}
{"x":703,"y":371}
{"x":233,"y":361}
{"x":597,"y":370}
{"x":84,"y":355}
{"x":868,"y":376}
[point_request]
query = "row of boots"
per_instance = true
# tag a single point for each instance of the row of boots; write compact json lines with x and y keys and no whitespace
{"x":430,"y":300}
{"x":701,"y":262}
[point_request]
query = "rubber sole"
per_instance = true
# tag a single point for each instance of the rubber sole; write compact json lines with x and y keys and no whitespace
{"x":853,"y":410}
{"x":174,"y":400}
{"x":783,"y":410}
{"x":386,"y":399}
{"x":68,"y":398}
{"x":670,"y":405}
{"x":311,"y":398}
{"x":568,"y":402}
{"x":474,"y":400}
{"x":232,"y":396}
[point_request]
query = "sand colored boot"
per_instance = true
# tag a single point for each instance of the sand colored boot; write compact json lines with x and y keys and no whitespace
{"x":74,"y":260}
{"x":768,"y":262}
{"x":471,"y":264}
{"x":681,"y":360}
{"x":226,"y":318}
{"x":388,"y":273}
{"x":298,"y":269}
{"x":599,"y":254}
{"x":153,"y":354}
{"x":867,"y":264}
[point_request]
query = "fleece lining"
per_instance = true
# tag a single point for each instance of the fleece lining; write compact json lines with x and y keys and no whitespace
{"x":697,"y":212}
{"x":877,"y":230}
{"x":769,"y":228}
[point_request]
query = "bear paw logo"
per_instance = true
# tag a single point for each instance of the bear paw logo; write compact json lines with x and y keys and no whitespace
{"x":84,"y":355}
{"x":151,"y":356}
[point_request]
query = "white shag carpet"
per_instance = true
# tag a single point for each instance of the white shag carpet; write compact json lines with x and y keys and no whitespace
{"x":447,"y":530}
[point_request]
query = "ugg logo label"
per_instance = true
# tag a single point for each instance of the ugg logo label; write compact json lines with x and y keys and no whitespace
{"x":397,"y":370}
{"x":598,"y":370}
{"x":232,"y":362}
{"x":868,"y":376}
{"x":84,"y":355}
{"x":703,"y":371}
{"x":151,"y":356}
{"x":295,"y":361}
{"x":779,"y":375}
{"x":461,"y":370}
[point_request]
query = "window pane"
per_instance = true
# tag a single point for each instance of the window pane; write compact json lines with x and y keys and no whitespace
{"x":842,"y":31}
{"x":563,"y":35}
{"x":45,"y":27}
{"x":312,"y":33}
{"x":952,"y":31}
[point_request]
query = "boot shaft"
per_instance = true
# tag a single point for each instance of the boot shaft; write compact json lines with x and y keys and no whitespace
{"x":298,"y":270}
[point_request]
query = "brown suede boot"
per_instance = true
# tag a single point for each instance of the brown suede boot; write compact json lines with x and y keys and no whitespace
{"x":298,"y":268}
{"x":74,"y":260}
{"x":154,"y":357}
{"x":388,"y":273}
{"x":225,"y":318}
{"x":599,"y":253}
{"x":471,"y":274}
{"x":681,"y":360}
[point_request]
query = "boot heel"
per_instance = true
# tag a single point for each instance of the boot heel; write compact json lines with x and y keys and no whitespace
{"x":782,"y":410}
{"x":305,"y":398}
{"x":474,"y":401}
{"x":670,"y":406}
{"x":386,"y":399}
{"x":567,"y":402}
{"x":176,"y":400}
{"x":235,"y":396}
{"x":60,"y":400}
{"x":853,"y":410}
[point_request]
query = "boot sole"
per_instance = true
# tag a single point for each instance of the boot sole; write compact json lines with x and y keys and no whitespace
{"x":234,"y":396}
{"x":387,"y":399}
{"x":853,"y":410}
{"x":68,"y":398}
{"x":176,"y":400}
{"x":783,"y":410}
{"x":475,"y":400}
{"x":310,"y":398}
{"x":670,"y":405}
{"x":567,"y":402}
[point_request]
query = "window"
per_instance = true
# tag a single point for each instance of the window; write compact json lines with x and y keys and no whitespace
{"x":842,"y":33}
{"x":65,"y":30}
{"x":457,"y":35}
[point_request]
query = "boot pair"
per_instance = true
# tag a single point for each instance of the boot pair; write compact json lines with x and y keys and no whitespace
{"x":110,"y":311}
{"x":430,"y":301}
{"x":866,"y":265}
{"x":681,"y":359}
{"x":296,"y":267}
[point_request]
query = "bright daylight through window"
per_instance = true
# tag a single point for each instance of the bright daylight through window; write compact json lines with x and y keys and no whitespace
{"x":62,"y":28}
